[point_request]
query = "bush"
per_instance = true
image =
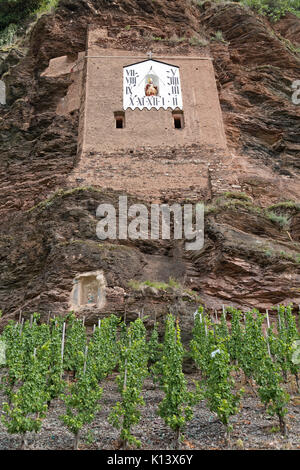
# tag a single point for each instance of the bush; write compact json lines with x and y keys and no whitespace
{"x":237,"y":195}
{"x":14,"y":11}
{"x":7,"y":36}
{"x":195,"y":41}
{"x":274,"y":9}
{"x":286,"y":205}
{"x":282,"y":220}
{"x":218,"y":37}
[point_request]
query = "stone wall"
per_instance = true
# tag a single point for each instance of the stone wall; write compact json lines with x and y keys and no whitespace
{"x":190,"y":172}
{"x":104,"y":96}
{"x":65,"y":66}
{"x":148,"y":157}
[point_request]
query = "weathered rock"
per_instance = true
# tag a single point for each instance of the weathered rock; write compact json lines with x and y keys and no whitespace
{"x":247,"y":259}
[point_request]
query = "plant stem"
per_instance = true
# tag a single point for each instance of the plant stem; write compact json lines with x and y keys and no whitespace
{"x":24,"y":442}
{"x":282,"y":425}
{"x":177,"y":437}
{"x":76,"y":441}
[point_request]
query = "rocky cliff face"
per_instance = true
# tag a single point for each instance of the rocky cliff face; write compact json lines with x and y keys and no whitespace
{"x":250,"y":258}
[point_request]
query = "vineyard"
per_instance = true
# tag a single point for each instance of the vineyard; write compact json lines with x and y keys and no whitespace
{"x":63,"y":372}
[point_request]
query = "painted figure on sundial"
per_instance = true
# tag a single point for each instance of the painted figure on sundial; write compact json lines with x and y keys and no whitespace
{"x":151,"y":89}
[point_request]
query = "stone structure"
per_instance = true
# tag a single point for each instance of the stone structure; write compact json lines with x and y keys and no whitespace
{"x":176,"y":150}
{"x":63,"y":67}
{"x":103,"y":97}
{"x":44,"y":248}
{"x":151,"y":153}
{"x":88,"y":290}
{"x":158,"y":153}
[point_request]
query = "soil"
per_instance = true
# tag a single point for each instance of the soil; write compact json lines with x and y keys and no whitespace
{"x":253,"y":428}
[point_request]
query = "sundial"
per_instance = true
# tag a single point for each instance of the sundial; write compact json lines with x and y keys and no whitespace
{"x":151,"y":84}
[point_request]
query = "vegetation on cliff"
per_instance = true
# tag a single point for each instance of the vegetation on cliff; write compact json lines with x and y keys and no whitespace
{"x":274,"y":9}
{"x":13,"y":13}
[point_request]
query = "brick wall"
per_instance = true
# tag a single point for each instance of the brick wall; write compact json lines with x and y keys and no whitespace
{"x":192,"y":172}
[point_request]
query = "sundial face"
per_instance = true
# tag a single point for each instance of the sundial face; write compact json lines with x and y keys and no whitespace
{"x":151,"y":84}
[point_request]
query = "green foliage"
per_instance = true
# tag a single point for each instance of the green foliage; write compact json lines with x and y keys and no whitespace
{"x":217,"y":354}
{"x":236,"y":339}
{"x":233,"y":200}
{"x":296,"y":353}
{"x":14,"y":11}
{"x":103,"y":347}
{"x":33,"y":337}
{"x":154,"y":347}
{"x":136,"y":285}
{"x":81,"y":401}
{"x":33,"y":368}
{"x":257,"y":363}
{"x":219,"y":385}
{"x":271,"y":393}
{"x":278,"y":219}
{"x":237,"y":195}
{"x":218,"y":37}
{"x":55,"y":382}
{"x":14,"y":354}
{"x":7,"y":35}
{"x":285,"y":205}
{"x":132,"y":372}
{"x":254,"y":346}
{"x":175,"y":39}
{"x":75,"y":343}
{"x":282,"y":344}
{"x":202,"y":342}
{"x":46,"y":6}
{"x":196,"y":41}
{"x":176,"y":406}
{"x":222,"y":328}
{"x":61,"y":194}
{"x":210,"y":352}
{"x":28,"y":405}
{"x":21,"y":341}
{"x":274,"y":9}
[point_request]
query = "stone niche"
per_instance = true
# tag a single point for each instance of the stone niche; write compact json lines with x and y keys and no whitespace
{"x":88,"y":290}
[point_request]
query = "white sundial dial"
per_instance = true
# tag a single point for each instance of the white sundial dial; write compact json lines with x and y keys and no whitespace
{"x":151,"y":84}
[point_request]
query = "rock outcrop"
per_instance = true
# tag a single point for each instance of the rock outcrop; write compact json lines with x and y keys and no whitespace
{"x":48,"y":234}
